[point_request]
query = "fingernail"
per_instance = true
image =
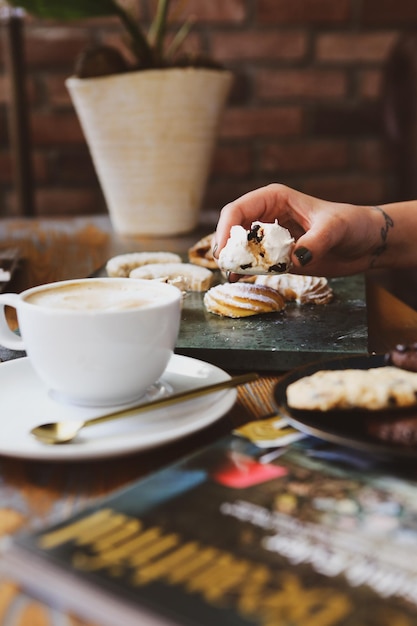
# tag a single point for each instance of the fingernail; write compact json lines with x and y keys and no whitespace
{"x":303,"y":255}
{"x":215,"y":248}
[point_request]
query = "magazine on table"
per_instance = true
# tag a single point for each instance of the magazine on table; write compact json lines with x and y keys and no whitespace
{"x":317,"y":536}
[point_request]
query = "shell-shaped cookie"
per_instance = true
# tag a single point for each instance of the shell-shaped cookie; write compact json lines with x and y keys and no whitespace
{"x":186,"y":276}
{"x":123,"y":264}
{"x":242,"y":300}
{"x":299,"y":288}
{"x":201,"y":254}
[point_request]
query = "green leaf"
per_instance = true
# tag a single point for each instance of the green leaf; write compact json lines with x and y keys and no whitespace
{"x":82,"y":9}
{"x":158,"y":28}
{"x":148,"y":52}
{"x":67,"y":9}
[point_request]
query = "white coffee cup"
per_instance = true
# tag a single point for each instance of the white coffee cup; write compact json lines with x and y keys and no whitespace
{"x":95,"y":341}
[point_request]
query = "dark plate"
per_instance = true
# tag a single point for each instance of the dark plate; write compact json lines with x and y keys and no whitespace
{"x":344,"y":427}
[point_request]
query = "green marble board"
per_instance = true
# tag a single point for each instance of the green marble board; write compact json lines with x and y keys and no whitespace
{"x":278,"y":341}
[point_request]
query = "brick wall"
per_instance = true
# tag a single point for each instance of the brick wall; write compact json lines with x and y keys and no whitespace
{"x":305,"y":108}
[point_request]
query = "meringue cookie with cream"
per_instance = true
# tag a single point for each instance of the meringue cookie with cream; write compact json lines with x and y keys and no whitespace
{"x":264,"y":249}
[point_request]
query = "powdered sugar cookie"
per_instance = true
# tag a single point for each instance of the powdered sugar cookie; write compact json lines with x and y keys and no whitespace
{"x":242,"y":300}
{"x":123,"y":264}
{"x":186,"y":276}
{"x":298,"y":288}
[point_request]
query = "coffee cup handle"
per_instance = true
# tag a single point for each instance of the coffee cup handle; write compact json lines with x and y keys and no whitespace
{"x":8,"y":338}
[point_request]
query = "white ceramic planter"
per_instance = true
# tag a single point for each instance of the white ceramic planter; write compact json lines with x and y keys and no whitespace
{"x":151,"y":136}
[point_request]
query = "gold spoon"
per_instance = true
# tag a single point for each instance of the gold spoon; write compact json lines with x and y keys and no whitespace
{"x":65,"y":431}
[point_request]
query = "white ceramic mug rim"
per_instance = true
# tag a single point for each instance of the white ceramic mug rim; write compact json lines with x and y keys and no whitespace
{"x":172,"y":294}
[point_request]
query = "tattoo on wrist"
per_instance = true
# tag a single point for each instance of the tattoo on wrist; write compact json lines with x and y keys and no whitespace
{"x":389,"y":223}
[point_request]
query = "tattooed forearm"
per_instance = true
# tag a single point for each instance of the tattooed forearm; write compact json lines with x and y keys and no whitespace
{"x":389,"y":223}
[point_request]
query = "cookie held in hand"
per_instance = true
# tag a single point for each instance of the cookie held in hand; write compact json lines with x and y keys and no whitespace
{"x":264,"y":249}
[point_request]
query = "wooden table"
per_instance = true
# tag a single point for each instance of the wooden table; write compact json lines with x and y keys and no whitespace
{"x":35,"y":493}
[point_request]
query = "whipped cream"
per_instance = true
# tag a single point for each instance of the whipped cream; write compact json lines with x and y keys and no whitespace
{"x":264,"y":249}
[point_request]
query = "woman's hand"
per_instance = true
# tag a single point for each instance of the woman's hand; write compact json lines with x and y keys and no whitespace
{"x":332,"y":239}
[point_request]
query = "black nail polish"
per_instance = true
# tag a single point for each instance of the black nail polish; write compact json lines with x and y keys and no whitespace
{"x":303,"y":255}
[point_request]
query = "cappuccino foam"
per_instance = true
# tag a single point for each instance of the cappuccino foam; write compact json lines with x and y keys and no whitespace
{"x":97,"y":296}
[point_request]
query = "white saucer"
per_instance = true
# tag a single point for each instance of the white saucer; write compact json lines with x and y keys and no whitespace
{"x":25,"y":402}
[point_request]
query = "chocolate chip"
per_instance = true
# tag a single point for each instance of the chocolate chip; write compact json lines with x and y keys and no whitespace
{"x":253,"y":234}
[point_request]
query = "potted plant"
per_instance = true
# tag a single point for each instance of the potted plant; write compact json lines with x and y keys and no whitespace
{"x":150,"y":122}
